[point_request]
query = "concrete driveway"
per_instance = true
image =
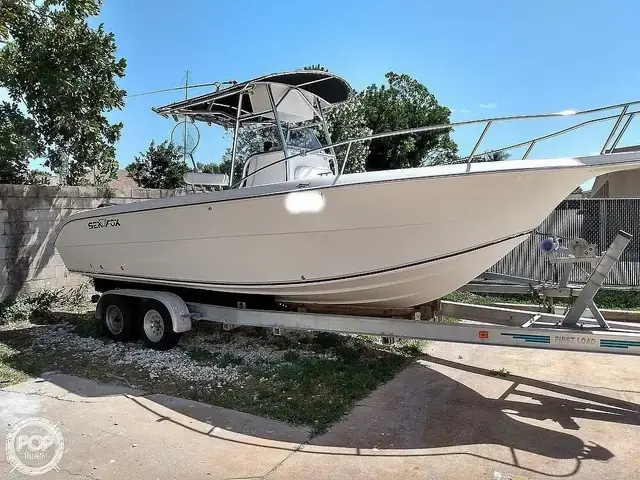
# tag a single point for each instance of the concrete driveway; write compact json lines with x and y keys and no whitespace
{"x":463,"y":412}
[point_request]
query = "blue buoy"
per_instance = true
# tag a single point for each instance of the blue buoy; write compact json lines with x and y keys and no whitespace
{"x":549,"y":244}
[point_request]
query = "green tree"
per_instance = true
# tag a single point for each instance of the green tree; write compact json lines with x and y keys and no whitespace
{"x":19,"y":143}
{"x":406,"y":103}
{"x":492,"y":157}
{"x":210,"y":168}
{"x":346,"y":121}
{"x":63,"y":73}
{"x":160,"y":166}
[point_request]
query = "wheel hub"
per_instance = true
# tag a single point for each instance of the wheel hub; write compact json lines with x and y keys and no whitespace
{"x":153,"y":325}
{"x":114,"y":319}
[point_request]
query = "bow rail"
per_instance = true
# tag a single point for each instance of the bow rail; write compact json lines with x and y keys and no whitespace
{"x":608,"y":146}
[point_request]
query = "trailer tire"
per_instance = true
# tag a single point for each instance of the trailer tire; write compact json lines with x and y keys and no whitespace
{"x":119,"y":322}
{"x":156,"y":325}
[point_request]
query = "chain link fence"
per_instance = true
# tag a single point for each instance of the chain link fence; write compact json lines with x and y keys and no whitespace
{"x":596,"y":220}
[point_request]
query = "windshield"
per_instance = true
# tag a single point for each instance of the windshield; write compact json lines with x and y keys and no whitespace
{"x":303,"y":138}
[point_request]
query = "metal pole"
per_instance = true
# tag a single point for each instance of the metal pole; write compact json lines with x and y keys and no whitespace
{"x":184,"y":133}
{"x":280,"y":132}
{"x":328,"y":136}
{"x":346,"y":157}
{"x":615,"y":127}
{"x":236,"y":132}
{"x":624,"y":129}
{"x":484,"y":132}
{"x":526,"y":154}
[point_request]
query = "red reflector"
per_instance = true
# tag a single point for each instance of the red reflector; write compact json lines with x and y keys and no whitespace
{"x":483,"y":334}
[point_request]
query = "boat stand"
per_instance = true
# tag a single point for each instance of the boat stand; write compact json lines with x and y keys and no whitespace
{"x":582,"y":295}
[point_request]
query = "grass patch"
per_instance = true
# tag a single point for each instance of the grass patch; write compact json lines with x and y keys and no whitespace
{"x":413,"y":347}
{"x":611,"y":299}
{"x":9,"y":375}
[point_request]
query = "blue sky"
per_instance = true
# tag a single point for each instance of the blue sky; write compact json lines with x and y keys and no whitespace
{"x":480,"y":58}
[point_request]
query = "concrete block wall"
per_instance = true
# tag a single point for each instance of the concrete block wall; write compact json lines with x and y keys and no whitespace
{"x":30,"y":216}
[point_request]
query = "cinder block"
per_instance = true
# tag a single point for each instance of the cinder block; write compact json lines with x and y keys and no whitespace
{"x":140,"y":193}
{"x":46,"y":191}
{"x":153,"y":193}
{"x":31,"y":241}
{"x":16,"y":228}
{"x":12,"y":203}
{"x":6,"y":240}
{"x":52,"y":216}
{"x":6,"y":190}
{"x":91,"y":192}
{"x":121,"y":192}
{"x":25,"y":190}
{"x":79,"y":203}
{"x":69,"y":191}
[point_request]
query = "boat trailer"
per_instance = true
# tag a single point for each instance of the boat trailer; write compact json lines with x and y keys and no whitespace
{"x":162,"y":316}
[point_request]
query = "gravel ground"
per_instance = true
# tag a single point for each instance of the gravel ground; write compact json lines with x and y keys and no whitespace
{"x":174,"y":362}
{"x":305,"y":378}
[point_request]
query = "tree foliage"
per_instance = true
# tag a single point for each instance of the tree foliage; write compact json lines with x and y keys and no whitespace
{"x":405,"y":103}
{"x":347,"y":121}
{"x":160,"y":166}
{"x":19,"y":143}
{"x":63,"y":73}
{"x":492,"y":157}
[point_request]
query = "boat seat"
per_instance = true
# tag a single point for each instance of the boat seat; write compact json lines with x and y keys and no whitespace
{"x":206,"y":181}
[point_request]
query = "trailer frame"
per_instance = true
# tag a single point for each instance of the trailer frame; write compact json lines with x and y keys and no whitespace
{"x":478,"y":324}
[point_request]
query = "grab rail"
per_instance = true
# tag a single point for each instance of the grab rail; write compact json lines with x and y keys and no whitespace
{"x":488,"y":122}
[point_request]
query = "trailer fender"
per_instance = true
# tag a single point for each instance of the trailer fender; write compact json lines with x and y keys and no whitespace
{"x":180,"y":315}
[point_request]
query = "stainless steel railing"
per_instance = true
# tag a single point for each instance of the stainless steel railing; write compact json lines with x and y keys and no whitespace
{"x":488,"y":122}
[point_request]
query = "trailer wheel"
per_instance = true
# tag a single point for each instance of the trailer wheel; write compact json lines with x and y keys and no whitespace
{"x":157,"y":326}
{"x":118,"y":318}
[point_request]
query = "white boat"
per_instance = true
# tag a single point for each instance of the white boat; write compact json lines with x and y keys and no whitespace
{"x":295,"y":232}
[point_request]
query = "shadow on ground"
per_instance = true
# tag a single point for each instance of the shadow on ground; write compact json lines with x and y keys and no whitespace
{"x":422,"y":409}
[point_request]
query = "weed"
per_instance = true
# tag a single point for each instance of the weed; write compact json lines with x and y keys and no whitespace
{"x":291,"y":356}
{"x":227,"y":359}
{"x":200,"y":354}
{"x":9,"y":375}
{"x":500,"y":373}
{"x":28,"y":307}
{"x":412,"y":347}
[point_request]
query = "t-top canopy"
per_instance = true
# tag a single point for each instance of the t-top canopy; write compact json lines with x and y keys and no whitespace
{"x":297,"y":95}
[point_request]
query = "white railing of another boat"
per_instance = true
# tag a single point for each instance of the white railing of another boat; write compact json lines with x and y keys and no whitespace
{"x":608,"y":146}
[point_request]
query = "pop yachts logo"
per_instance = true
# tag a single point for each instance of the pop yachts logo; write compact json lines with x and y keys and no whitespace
{"x":104,"y":223}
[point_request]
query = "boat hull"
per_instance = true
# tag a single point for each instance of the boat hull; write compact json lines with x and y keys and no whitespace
{"x":384,"y":239}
